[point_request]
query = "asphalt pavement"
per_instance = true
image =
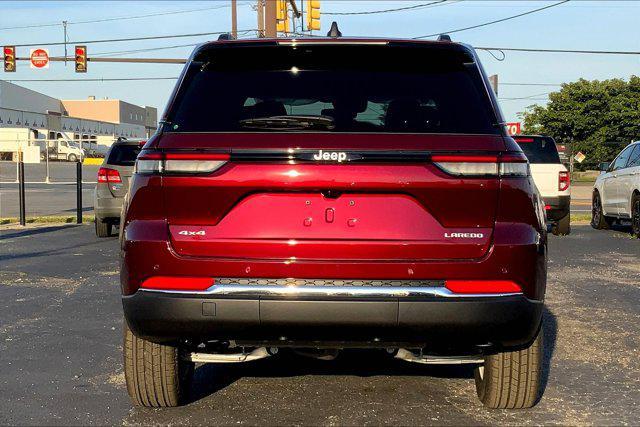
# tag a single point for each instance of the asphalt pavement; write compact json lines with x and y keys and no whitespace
{"x":61,"y":350}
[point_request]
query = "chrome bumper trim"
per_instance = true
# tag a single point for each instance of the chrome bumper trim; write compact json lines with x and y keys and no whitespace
{"x":329,"y":292}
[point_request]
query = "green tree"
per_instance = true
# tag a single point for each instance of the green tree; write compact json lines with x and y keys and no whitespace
{"x":586,"y":114}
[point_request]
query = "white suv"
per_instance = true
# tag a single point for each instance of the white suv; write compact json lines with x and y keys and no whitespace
{"x":551,"y":177}
{"x":616,"y":193}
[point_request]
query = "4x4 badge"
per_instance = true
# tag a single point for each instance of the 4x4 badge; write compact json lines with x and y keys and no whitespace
{"x":192,"y":233}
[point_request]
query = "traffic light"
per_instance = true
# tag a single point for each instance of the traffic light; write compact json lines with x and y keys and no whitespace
{"x":313,"y":14}
{"x":282,"y":16}
{"x":9,"y":59}
{"x":81,"y":59}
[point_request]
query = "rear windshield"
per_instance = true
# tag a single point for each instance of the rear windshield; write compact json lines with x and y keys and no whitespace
{"x":123,"y":155}
{"x":539,"y":149}
{"x":333,"y":89}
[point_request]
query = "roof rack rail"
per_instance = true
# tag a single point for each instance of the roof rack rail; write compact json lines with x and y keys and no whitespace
{"x":444,"y":38}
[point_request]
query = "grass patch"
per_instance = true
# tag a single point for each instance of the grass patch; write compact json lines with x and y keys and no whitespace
{"x":583,"y":179}
{"x":585,"y":176}
{"x":54,"y":219}
{"x":581,"y":217}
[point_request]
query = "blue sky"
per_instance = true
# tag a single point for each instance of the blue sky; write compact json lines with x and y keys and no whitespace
{"x":592,"y":25}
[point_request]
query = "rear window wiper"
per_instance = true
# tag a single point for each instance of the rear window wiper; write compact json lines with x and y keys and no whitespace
{"x":289,"y":122}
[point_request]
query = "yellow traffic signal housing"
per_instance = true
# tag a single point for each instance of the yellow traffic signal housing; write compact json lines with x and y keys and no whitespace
{"x":282,"y":16}
{"x":81,"y":59}
{"x":9,"y":59}
{"x":313,"y":14}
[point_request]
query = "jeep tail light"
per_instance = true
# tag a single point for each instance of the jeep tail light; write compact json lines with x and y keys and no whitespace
{"x":564,"y":181}
{"x":168,"y":283}
{"x":180,"y":163}
{"x":482,"y":286}
{"x":506,"y":165}
{"x":109,"y":175}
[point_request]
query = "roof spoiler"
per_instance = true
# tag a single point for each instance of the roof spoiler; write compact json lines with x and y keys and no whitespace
{"x":334,"y":32}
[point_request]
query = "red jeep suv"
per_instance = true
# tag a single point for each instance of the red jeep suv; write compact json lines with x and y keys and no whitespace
{"x":321,"y":194}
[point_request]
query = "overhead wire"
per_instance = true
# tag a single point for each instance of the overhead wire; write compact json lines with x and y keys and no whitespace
{"x":151,"y":49}
{"x":86,"y":42}
{"x":484,"y":24}
{"x":593,"y":52}
{"x":397,"y":9}
{"x":120,"y":18}
{"x":98,"y":79}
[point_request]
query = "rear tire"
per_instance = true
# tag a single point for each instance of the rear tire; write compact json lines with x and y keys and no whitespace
{"x":635,"y":216}
{"x":155,"y":374}
{"x":598,"y":220}
{"x":103,"y":229}
{"x":511,"y":380}
{"x":72,"y":158}
{"x":563,"y":226}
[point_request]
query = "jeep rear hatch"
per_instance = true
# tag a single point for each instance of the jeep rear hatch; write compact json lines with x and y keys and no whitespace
{"x":345,"y":152}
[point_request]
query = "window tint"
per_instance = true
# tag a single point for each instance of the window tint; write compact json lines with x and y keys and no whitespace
{"x":123,"y":155}
{"x":621,"y":160}
{"x":539,"y":149}
{"x":634,"y":158}
{"x":333,"y":89}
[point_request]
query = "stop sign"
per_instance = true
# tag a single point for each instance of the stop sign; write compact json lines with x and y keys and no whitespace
{"x":39,"y":58}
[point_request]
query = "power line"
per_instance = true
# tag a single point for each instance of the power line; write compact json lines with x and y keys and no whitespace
{"x":522,"y":99}
{"x":119,"y":18}
{"x":527,"y":97}
{"x":151,"y":49}
{"x":530,"y":84}
{"x":372,"y":12}
{"x":102,"y":79}
{"x":495,"y":21}
{"x":126,"y":39}
{"x":595,"y":52}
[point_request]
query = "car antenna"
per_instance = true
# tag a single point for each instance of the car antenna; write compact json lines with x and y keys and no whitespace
{"x":444,"y":38}
{"x":334,"y":32}
{"x":226,"y":36}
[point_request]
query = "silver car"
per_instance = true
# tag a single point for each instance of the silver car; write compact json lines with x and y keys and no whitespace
{"x":113,"y":182}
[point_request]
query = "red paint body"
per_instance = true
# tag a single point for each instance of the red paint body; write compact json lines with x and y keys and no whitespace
{"x":254,"y":215}
{"x":459,"y":209}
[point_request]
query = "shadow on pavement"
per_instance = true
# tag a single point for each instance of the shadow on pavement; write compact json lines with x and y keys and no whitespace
{"x":211,"y":378}
{"x":550,"y":331}
{"x":84,"y":209}
{"x":34,"y":231}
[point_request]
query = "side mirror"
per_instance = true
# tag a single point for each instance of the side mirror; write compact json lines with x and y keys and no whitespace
{"x":604,"y":166}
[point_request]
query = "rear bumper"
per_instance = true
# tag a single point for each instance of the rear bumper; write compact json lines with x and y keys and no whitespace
{"x":108,"y":208}
{"x":558,"y":207}
{"x":441,"y":323}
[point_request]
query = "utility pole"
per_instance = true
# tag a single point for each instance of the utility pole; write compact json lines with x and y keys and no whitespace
{"x":234,"y":19}
{"x":493,"y":79}
{"x":260,"y":13}
{"x":270,"y":19}
{"x":64,"y":26}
